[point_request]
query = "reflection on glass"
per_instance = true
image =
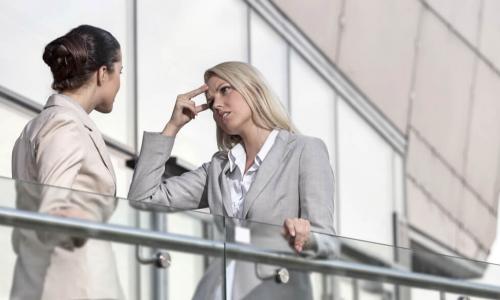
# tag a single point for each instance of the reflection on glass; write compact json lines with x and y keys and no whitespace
{"x":42,"y":252}
{"x":250,"y":260}
{"x":253,"y":278}
{"x":257,"y":279}
{"x":188,"y":276}
{"x":51,"y":265}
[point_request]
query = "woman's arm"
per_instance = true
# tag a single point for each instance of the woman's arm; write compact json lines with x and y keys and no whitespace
{"x":59,"y":154}
{"x":316,"y":194}
{"x":149,"y":186}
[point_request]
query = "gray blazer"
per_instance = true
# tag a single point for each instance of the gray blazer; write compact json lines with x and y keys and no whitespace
{"x":62,"y":147}
{"x":294,"y":180}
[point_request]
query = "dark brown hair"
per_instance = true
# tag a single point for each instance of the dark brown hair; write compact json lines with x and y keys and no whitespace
{"x":75,"y":56}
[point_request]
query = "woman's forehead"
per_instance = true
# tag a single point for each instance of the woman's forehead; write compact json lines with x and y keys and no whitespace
{"x":215,"y":81}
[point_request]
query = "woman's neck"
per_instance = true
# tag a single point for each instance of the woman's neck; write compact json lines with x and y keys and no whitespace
{"x":253,"y":140}
{"x":82,"y":96}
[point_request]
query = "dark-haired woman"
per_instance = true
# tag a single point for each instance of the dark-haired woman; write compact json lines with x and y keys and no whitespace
{"x":62,"y":147}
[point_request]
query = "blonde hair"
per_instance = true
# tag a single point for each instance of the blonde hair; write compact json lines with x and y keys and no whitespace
{"x":267,"y":110}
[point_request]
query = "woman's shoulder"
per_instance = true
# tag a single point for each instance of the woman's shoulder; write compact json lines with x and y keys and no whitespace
{"x":303,"y":141}
{"x":219,"y":156}
{"x":59,"y":116}
{"x":53,"y":120}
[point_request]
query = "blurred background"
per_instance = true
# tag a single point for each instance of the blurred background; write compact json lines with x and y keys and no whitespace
{"x":405,"y":94}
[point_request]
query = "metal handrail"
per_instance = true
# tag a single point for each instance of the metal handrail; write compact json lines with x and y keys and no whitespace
{"x":131,"y":235}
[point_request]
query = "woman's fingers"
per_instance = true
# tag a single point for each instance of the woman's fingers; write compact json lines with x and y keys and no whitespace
{"x":303,"y":235}
{"x":191,"y":105}
{"x":201,"y":107}
{"x":196,"y":92}
{"x":289,"y":227}
{"x":184,"y":111}
{"x":189,"y":109}
{"x":297,"y":232}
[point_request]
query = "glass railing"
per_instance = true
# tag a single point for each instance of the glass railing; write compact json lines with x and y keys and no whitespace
{"x":173,"y":254}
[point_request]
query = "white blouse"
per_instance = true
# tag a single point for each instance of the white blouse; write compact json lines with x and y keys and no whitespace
{"x":240,"y":183}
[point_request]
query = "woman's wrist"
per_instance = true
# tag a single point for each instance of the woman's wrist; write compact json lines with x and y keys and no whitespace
{"x":170,"y":130}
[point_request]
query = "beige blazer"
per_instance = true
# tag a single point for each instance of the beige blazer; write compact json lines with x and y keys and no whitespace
{"x":294,"y":180}
{"x":62,"y":147}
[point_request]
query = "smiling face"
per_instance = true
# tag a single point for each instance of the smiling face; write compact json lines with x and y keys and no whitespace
{"x":230,"y":111}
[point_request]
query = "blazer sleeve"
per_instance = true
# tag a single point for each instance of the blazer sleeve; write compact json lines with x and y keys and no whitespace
{"x":150,"y":189}
{"x":59,"y":154}
{"x":316,"y":194}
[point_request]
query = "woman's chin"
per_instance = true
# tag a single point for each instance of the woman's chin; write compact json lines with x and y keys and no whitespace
{"x":104,"y":109}
{"x":229,"y":130}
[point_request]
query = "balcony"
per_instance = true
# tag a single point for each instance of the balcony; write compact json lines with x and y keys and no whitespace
{"x":167,"y":253}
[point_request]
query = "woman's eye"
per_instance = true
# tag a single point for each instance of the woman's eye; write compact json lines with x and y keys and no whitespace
{"x":225,"y":90}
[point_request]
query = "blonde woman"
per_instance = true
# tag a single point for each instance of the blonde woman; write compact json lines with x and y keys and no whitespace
{"x":263,"y":172}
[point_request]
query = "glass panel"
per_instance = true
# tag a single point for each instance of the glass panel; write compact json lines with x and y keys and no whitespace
{"x":183,"y":278}
{"x":425,"y":294}
{"x":345,"y":271}
{"x":122,"y":172}
{"x":268,"y":53}
{"x":259,"y":260}
{"x":398,"y":184}
{"x":365,"y":180}
{"x":189,"y":37}
{"x":28,"y":34}
{"x":13,"y":119}
{"x":312,"y":102}
{"x":123,"y":214}
{"x":258,"y":280}
{"x":450,"y":296}
{"x":55,"y":252}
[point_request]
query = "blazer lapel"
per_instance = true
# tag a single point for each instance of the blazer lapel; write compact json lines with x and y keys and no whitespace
{"x":225,"y":191}
{"x":102,"y":150}
{"x":269,"y":166}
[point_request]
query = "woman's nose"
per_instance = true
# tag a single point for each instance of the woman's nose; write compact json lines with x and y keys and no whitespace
{"x":217,"y":104}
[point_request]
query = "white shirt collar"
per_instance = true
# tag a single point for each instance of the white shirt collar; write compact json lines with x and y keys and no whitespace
{"x":237,"y":155}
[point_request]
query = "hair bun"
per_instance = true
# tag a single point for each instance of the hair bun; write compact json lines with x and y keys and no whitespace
{"x":66,"y":57}
{"x":73,"y":57}
{"x":59,"y":57}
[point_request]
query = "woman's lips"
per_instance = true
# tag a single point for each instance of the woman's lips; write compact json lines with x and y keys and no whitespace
{"x":223,"y":116}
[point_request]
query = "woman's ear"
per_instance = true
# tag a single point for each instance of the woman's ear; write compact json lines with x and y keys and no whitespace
{"x":102,"y":75}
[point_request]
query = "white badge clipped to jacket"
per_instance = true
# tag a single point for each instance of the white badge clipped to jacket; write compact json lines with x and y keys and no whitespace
{"x":241,"y":234}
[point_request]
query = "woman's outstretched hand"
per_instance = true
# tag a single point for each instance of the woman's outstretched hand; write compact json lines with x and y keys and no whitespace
{"x":184,"y":111}
{"x":297,"y":231}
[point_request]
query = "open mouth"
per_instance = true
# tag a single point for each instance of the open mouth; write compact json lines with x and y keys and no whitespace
{"x":225,"y":115}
